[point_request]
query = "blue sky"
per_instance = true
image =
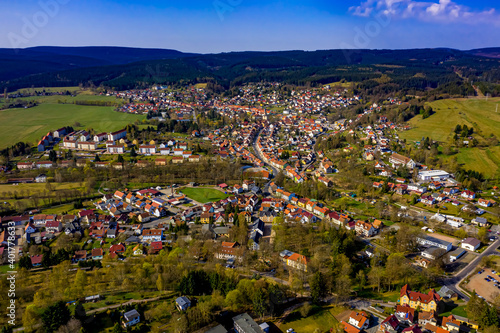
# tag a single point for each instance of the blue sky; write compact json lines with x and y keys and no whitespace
{"x":236,"y":25}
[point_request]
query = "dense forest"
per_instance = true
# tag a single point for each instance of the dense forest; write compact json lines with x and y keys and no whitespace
{"x":379,"y":71}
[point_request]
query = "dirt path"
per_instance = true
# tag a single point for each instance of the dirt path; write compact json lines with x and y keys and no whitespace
{"x":132,"y":301}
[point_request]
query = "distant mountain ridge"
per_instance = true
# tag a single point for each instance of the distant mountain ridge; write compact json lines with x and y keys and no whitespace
{"x":490,"y":52}
{"x":125,"y":68}
{"x":15,"y":63}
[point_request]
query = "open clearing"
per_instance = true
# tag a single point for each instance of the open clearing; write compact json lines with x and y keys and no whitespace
{"x":204,"y":195}
{"x":37,"y":187}
{"x":477,"y":113}
{"x":29,"y":125}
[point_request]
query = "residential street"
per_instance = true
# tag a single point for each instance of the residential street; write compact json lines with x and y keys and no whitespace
{"x":453,"y":282}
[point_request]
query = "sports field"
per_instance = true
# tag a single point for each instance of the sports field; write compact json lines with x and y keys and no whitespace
{"x":204,"y":195}
{"x":29,"y":125}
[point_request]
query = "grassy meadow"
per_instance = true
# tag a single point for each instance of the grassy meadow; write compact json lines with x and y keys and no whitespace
{"x":29,"y":125}
{"x":477,"y":113}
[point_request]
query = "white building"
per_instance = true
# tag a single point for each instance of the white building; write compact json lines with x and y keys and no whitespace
{"x":117,"y":135}
{"x":433,"y":175}
{"x":115,"y":149}
{"x":431,"y":241}
{"x":471,"y":244}
{"x":147,"y":149}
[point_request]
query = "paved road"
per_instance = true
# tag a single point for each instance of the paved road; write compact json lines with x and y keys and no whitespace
{"x":453,"y":282}
{"x":261,"y":157}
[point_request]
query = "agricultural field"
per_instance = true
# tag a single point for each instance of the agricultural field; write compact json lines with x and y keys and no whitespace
{"x":204,"y":195}
{"x":48,"y":89}
{"x":29,"y":125}
{"x":30,"y":189}
{"x":67,"y":99}
{"x":477,"y":113}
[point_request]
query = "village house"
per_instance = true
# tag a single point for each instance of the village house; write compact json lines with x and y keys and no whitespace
{"x":228,"y":251}
{"x":131,"y":318}
{"x":365,"y":228}
{"x":360,"y":320}
{"x":152,"y":235}
{"x":390,"y":324}
{"x":295,"y":260}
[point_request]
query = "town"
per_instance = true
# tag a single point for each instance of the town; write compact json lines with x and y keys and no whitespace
{"x":256,"y":210}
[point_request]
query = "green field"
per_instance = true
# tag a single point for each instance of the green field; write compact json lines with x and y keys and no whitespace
{"x":486,"y":161}
{"x":50,"y":89}
{"x":204,"y":195}
{"x":57,"y":99}
{"x":477,"y":113}
{"x":29,"y":125}
{"x":321,"y":318}
{"x":32,"y":188}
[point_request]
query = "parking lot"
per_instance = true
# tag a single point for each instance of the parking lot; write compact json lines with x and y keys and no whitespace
{"x":484,"y":288}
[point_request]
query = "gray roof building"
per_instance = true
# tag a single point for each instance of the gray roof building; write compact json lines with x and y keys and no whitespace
{"x":243,"y":323}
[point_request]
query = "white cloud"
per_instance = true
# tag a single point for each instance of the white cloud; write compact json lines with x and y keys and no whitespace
{"x":441,"y":11}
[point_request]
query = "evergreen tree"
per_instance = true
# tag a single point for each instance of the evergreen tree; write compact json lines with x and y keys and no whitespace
{"x":55,"y":316}
{"x":25,"y":262}
{"x":317,"y":285}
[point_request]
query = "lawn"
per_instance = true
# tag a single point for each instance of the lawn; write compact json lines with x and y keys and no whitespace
{"x":204,"y":195}
{"x":5,"y":268}
{"x":477,"y":113}
{"x":457,"y":311}
{"x":60,"y":209}
{"x":29,"y":125}
{"x":389,"y":296}
{"x":321,"y":318}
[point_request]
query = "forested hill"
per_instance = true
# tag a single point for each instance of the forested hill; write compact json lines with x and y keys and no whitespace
{"x":15,"y":63}
{"x":384,"y":70}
